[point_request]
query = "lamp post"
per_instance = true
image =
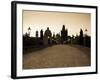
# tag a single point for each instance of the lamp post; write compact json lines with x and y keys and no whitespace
{"x":85,"y":37}
{"x":29,"y":31}
{"x":36,"y":34}
{"x":86,"y":32}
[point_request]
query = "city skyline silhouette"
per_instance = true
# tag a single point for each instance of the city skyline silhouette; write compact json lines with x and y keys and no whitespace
{"x":38,"y":20}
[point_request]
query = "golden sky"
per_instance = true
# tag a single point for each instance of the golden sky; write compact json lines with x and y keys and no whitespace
{"x":38,"y":20}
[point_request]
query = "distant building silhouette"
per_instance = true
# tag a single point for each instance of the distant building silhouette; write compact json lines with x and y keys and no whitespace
{"x":54,"y":39}
{"x":64,"y":34}
{"x":41,"y":34}
{"x":58,"y":38}
{"x":47,"y":37}
{"x":81,"y":37}
{"x":54,"y":36}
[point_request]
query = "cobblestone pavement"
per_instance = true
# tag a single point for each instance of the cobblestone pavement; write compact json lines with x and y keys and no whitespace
{"x":57,"y":56}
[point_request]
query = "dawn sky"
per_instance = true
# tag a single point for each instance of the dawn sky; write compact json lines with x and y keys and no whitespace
{"x":38,"y":20}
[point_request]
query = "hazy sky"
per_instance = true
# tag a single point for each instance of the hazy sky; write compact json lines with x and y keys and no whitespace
{"x":38,"y":20}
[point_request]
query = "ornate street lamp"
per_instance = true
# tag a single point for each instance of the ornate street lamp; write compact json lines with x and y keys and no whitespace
{"x":29,"y":31}
{"x":85,"y":37}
